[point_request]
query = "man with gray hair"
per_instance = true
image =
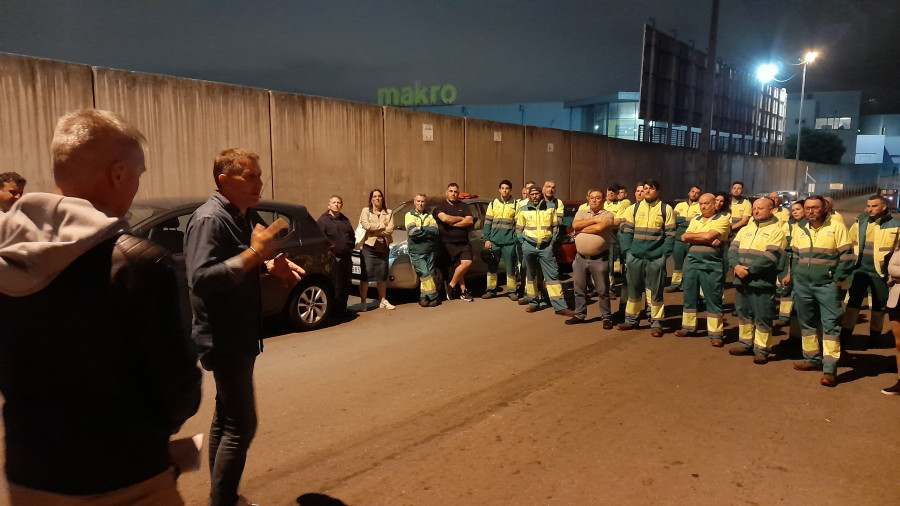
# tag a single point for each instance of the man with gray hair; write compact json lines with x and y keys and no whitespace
{"x":95,"y":368}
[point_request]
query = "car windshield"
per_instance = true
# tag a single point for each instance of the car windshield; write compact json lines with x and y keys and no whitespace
{"x":140,"y":212}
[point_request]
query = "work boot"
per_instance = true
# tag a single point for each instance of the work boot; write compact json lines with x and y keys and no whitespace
{"x":716,"y":342}
{"x":828,"y":380}
{"x":531,"y":309}
{"x":488,"y":295}
{"x":740,"y":350}
{"x":656,"y":332}
{"x":625,"y":326}
{"x":565,"y":312}
{"x":760,"y":359}
{"x":683,"y":333}
{"x":804,"y":365}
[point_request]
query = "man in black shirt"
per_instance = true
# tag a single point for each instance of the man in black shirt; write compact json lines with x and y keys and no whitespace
{"x":338,"y":229}
{"x":454,"y":223}
{"x":227,"y":249}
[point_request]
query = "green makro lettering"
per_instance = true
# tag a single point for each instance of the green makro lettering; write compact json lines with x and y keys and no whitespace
{"x":417,"y":95}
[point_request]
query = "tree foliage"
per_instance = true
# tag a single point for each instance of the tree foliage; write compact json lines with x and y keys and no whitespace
{"x":815,"y":146}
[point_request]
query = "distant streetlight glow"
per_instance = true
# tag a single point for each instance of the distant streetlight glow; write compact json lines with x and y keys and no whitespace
{"x":810,"y":56}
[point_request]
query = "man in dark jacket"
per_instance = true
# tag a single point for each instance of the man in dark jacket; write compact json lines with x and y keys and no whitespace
{"x":227,"y":249}
{"x":95,"y":368}
{"x":338,"y":229}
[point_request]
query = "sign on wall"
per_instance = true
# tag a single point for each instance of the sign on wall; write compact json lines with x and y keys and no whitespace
{"x":417,"y":95}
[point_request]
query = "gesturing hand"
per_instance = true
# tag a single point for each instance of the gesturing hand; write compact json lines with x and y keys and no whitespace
{"x":263,"y":238}
{"x":285,"y":270}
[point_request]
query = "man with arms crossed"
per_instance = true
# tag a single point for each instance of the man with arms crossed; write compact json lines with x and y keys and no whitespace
{"x":454,"y":222}
{"x":227,"y":249}
{"x":422,"y":234}
{"x":95,"y":367}
{"x":740,"y":208}
{"x":538,"y":225}
{"x":593,"y":228}
{"x":705,"y":235}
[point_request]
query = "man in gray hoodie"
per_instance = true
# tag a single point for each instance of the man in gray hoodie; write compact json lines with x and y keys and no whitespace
{"x":95,"y":368}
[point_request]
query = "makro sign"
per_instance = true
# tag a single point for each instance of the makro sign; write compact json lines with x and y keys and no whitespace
{"x":411,"y":96}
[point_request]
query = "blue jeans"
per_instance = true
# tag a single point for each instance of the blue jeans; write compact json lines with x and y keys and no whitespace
{"x":233,"y":424}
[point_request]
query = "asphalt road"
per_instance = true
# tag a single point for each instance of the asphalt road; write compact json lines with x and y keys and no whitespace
{"x":481,"y":403}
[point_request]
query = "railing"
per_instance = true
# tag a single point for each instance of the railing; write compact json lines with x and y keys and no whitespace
{"x":853,"y":191}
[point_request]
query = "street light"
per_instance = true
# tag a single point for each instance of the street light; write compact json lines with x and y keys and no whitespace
{"x":808,"y":58}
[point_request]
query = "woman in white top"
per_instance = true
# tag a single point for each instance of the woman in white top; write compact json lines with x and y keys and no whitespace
{"x":378,"y":222}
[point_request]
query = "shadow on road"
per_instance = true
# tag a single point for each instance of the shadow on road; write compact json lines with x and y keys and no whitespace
{"x":313,"y":499}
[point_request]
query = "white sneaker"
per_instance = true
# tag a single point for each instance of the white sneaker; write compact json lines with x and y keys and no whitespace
{"x":386,"y":305}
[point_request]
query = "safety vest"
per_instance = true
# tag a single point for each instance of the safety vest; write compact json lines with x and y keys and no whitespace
{"x":648,"y":230}
{"x":821,"y":256}
{"x":880,"y":238}
{"x":539,"y":225}
{"x":760,"y":247}
{"x":421,"y":231}
{"x":500,"y":221}
{"x":704,"y":256}
{"x":684,"y":213}
{"x":740,"y":209}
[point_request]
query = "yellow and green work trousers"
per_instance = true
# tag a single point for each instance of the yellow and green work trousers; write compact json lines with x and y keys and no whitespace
{"x":865,"y":280}
{"x":709,"y":283}
{"x":785,"y":302}
{"x":509,"y":255}
{"x":542,"y":261}
{"x":424,"y":266}
{"x":756,"y":310}
{"x":641,"y":274}
{"x":819,"y":305}
{"x":679,"y":253}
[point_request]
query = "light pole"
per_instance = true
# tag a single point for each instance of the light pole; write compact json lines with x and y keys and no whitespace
{"x":807,"y":59}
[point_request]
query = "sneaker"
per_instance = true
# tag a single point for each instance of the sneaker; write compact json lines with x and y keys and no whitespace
{"x":683,"y":332}
{"x":565,"y":312}
{"x":574,"y":320}
{"x":740,"y":350}
{"x":488,"y":295}
{"x":760,"y":359}
{"x":828,"y":380}
{"x":243,"y":501}
{"x":386,"y":305}
{"x":803,"y":365}
{"x":452,"y":292}
{"x":531,"y":309}
{"x":607,"y":324}
{"x":625,"y":326}
{"x":894,"y":390}
{"x":513,"y":297}
{"x":466,"y":296}
{"x":716,"y":342}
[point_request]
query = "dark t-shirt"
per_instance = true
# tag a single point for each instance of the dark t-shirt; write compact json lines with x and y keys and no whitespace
{"x":449,"y":233}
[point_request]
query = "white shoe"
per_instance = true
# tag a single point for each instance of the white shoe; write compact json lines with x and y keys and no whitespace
{"x":387,"y":305}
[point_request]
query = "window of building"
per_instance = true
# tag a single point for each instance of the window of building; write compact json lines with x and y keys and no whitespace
{"x":832,"y":123}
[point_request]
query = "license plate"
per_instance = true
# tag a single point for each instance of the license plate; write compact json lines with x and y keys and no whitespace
{"x":356,"y":269}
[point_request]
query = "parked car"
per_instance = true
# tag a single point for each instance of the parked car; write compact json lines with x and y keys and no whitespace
{"x":892,"y":195}
{"x":307,"y":305}
{"x":565,"y":255}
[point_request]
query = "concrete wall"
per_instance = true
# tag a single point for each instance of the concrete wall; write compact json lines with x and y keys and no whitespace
{"x":33,"y":95}
{"x":187,"y":123}
{"x":313,"y":147}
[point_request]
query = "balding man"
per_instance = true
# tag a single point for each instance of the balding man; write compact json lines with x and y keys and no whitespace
{"x":95,"y":368}
{"x":782,"y":213}
{"x":706,"y":236}
{"x":757,"y":256}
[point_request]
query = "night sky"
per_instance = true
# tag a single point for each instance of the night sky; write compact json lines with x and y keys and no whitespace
{"x":492,"y":51}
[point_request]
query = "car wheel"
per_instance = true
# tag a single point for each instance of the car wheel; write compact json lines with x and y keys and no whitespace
{"x":310,"y":305}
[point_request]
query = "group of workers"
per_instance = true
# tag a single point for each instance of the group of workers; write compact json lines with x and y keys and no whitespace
{"x":800,"y":259}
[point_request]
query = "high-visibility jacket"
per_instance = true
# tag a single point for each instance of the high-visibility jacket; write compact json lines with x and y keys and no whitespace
{"x":740,"y":208}
{"x":624,"y":204}
{"x":684,"y":213}
{"x":648,"y":230}
{"x":782,"y":213}
{"x":873,"y":241}
{"x":704,"y":256}
{"x":500,"y":221}
{"x":760,"y":247}
{"x":421,"y":231}
{"x":538,"y":225}
{"x":821,"y":256}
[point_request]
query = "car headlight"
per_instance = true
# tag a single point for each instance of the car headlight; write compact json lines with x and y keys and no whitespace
{"x":399,"y":249}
